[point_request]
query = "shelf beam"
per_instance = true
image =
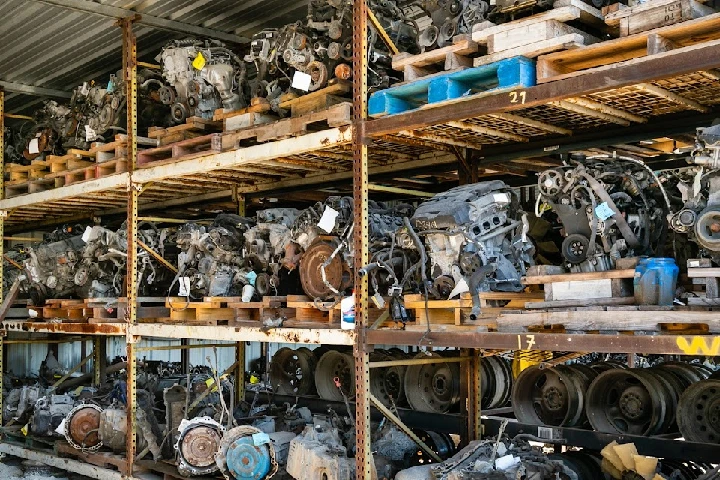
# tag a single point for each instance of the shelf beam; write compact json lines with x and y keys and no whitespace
{"x":249,"y":334}
{"x":33,"y":90}
{"x":694,"y":345}
{"x":704,"y":56}
{"x":87,"y":6}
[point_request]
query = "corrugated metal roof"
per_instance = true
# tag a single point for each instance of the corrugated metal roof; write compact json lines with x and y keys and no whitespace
{"x":53,"y":47}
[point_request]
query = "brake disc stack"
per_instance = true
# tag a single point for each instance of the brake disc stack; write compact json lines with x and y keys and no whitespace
{"x":552,"y":395}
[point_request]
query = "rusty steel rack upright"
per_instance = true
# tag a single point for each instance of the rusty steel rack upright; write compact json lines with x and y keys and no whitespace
{"x":470,"y":123}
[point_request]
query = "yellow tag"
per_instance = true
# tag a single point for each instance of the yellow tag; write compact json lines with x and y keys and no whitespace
{"x":254,"y":379}
{"x":199,"y":61}
{"x":79,"y":390}
{"x":24,"y":429}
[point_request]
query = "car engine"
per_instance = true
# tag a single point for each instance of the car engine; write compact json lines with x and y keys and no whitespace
{"x":210,"y":262}
{"x":323,"y":236}
{"x":699,"y":187}
{"x":304,"y":57}
{"x":203,"y":77}
{"x":450,"y":18}
{"x":476,"y":240}
{"x":607,"y":208}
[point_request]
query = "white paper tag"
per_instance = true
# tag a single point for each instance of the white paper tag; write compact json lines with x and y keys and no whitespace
{"x":260,"y":439}
{"x":501,"y":197}
{"x":34,"y":148}
{"x":85,"y":89}
{"x":32,"y":313}
{"x":90,"y":134}
{"x":184,"y":290}
{"x":86,"y":234}
{"x":603,"y":211}
{"x":327,"y":221}
{"x":60,"y":430}
{"x":301,"y":81}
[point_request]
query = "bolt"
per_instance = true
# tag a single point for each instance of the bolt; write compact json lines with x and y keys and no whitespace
{"x":715,"y":227}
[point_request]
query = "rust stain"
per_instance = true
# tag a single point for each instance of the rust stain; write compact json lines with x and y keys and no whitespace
{"x":325,"y":141}
{"x":344,"y":128}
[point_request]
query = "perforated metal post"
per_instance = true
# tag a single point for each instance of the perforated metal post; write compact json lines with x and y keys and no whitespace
{"x":475,"y":396}
{"x":130,"y":77}
{"x":363,"y":455}
{"x":2,"y":227}
{"x":240,"y":372}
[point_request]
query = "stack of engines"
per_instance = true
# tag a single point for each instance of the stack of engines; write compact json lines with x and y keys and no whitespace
{"x":91,"y":263}
{"x":607,"y":209}
{"x":234,"y":256}
{"x":202,"y":76}
{"x":305,"y":56}
{"x":95,"y":113}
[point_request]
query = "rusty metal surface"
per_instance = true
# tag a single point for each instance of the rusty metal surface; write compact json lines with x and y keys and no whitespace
{"x":65,"y":328}
{"x":702,"y":345}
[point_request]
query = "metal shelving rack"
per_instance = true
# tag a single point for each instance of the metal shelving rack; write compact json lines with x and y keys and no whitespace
{"x":435,"y":134}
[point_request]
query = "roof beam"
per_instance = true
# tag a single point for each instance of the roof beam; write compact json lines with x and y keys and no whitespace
{"x":33,"y":90}
{"x":88,"y":6}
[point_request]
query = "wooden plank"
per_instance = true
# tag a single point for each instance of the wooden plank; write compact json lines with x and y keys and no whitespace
{"x":565,"y":42}
{"x":577,"y":290}
{"x":529,"y":34}
{"x":575,"y":277}
{"x":587,"y":302}
{"x":559,"y":65}
{"x":462,"y":45}
{"x":703,"y":272}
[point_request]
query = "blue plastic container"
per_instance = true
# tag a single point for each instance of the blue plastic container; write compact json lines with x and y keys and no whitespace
{"x":655,"y":281}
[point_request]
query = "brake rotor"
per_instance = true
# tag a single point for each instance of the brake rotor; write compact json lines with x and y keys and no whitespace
{"x":633,"y":401}
{"x":291,"y":372}
{"x":82,"y":425}
{"x":337,"y":273}
{"x":433,"y":387}
{"x":333,"y":369}
{"x":551,"y":395}
{"x":698,"y":413}
{"x":386,"y":384}
{"x":241,"y":457}
{"x":197,"y":444}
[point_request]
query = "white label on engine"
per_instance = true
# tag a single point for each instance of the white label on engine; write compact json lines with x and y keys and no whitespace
{"x":501,"y":197}
{"x":260,"y":439}
{"x":184,"y":289}
{"x":90,"y":134}
{"x":327,"y":221}
{"x":86,"y":234}
{"x":301,"y":81}
{"x":603,"y":211}
{"x":32,"y":313}
{"x":60,"y":430}
{"x":34,"y":148}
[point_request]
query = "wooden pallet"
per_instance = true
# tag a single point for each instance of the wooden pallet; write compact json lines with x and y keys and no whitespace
{"x":193,"y":127}
{"x":214,"y":312}
{"x":602,"y":56}
{"x":567,"y":290}
{"x":538,"y":34}
{"x":335,"y":116}
{"x":22,"y":173}
{"x":100,"y":459}
{"x":316,"y":101}
{"x":705,"y":283}
{"x":257,"y":105}
{"x":675,"y":320}
{"x":113,"y":310}
{"x":33,"y":186}
{"x":66,"y":311}
{"x":510,"y":73}
{"x":196,"y":146}
{"x":270,"y":308}
{"x":457,"y":311}
{"x":655,"y":14}
{"x":449,"y":58}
